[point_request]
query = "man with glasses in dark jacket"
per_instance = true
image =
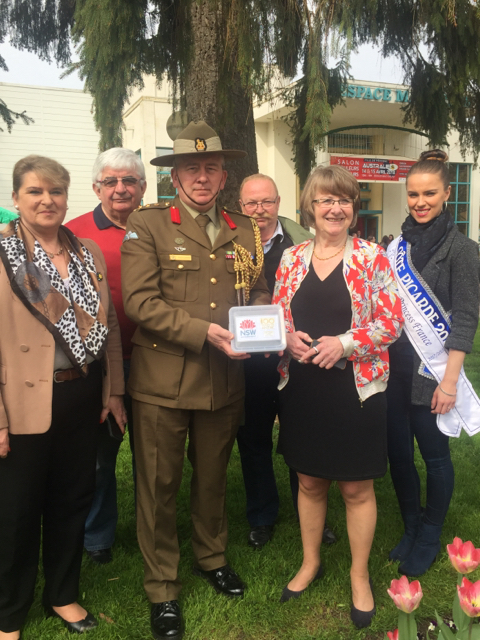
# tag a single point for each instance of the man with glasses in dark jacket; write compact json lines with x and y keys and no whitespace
{"x":259,"y":199}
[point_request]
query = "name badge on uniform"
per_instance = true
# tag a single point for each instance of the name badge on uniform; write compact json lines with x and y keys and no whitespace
{"x":173,"y":256}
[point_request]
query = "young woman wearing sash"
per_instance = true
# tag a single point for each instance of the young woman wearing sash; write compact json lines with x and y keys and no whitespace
{"x":429,"y":398}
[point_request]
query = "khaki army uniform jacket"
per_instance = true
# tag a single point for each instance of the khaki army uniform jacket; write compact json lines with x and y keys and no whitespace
{"x":174,"y":285}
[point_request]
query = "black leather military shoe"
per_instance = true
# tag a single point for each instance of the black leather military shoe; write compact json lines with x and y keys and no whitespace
{"x":100,"y":556}
{"x":259,"y":536}
{"x":224,"y":580}
{"x":166,"y":621}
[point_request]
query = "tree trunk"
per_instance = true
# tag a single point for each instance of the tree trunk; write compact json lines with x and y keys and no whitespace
{"x":221,"y":101}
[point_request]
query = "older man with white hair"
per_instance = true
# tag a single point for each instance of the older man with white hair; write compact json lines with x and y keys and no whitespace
{"x":118,"y":178}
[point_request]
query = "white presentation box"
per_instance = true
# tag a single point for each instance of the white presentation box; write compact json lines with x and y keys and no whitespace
{"x":258,"y":329}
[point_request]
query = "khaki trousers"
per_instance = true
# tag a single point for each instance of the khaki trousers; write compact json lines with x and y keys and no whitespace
{"x":160,"y":436}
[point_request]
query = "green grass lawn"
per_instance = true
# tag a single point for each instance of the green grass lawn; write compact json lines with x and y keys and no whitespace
{"x":115,"y":592}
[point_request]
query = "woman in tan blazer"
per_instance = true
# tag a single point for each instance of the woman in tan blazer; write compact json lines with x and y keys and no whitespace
{"x":60,"y":373}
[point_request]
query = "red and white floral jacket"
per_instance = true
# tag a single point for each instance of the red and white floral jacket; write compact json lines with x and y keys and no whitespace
{"x":377,"y":319}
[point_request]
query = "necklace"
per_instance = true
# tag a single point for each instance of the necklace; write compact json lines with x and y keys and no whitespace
{"x":52,"y":255}
{"x":49,"y":254}
{"x":332,"y":256}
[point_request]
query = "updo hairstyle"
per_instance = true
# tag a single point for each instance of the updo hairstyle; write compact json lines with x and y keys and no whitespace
{"x":46,"y":168}
{"x":331,"y":179}
{"x":432,"y":161}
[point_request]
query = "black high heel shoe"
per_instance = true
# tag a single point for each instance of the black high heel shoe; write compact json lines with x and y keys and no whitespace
{"x":288,"y":594}
{"x":362,"y":619}
{"x":82,"y":626}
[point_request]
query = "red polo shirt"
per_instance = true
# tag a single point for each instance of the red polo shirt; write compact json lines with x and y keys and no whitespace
{"x":109,"y":237}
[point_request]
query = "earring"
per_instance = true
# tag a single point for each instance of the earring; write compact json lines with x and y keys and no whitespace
{"x":16,"y":207}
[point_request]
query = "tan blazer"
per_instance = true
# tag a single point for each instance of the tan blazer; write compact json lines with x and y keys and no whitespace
{"x":27,"y":351}
{"x":174,"y":285}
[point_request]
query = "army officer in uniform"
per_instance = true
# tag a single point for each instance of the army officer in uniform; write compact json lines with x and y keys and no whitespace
{"x":179,"y":277}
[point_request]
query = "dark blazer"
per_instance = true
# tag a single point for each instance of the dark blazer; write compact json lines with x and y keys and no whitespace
{"x":293,"y":233}
{"x":453,"y":275}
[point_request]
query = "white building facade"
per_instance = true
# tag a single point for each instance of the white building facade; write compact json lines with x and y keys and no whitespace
{"x":63,"y":129}
{"x":366,"y":136}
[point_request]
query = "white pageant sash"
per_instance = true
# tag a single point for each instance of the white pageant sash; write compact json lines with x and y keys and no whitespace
{"x":428,"y":326}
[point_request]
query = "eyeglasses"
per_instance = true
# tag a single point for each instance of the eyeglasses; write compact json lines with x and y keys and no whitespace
{"x":265,"y":204}
{"x":127,"y":181}
{"x":327,"y":203}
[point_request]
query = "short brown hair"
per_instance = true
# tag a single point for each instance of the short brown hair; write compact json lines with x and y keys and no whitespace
{"x":432,"y":161}
{"x":332,"y":179}
{"x":46,"y":168}
{"x":257,"y":176}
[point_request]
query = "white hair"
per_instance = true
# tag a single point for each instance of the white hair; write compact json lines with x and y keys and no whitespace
{"x":117,"y":158}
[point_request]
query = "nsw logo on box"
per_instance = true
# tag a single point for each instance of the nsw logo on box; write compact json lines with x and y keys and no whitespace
{"x":248,"y":328}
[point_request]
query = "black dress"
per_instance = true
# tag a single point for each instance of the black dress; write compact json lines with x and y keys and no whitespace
{"x":324,"y":429}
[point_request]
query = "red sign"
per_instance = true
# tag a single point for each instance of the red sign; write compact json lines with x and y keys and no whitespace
{"x":377,"y":169}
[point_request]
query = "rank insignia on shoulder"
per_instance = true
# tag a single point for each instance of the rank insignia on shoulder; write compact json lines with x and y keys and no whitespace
{"x":228,"y":220}
{"x":200,"y":144}
{"x":175,"y":215}
{"x":130,"y":235}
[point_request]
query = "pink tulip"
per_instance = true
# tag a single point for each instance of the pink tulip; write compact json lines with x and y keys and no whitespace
{"x":469,"y":597}
{"x":463,"y":555}
{"x":405,"y":595}
{"x":392,"y":635}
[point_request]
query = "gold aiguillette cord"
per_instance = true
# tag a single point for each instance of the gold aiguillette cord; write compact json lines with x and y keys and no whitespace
{"x":247,"y":272}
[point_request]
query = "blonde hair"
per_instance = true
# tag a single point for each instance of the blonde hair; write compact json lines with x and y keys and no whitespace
{"x":46,"y":168}
{"x":332,"y":179}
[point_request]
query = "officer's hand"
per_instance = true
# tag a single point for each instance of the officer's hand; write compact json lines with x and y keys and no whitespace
{"x":220,"y":338}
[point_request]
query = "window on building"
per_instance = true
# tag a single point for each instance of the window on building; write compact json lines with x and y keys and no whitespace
{"x":165,"y":188}
{"x":356,"y":143}
{"x":364,"y":196}
{"x":459,"y":201}
{"x":350,"y":143}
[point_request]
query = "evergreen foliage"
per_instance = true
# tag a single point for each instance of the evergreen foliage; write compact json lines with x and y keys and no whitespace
{"x":113,"y":52}
{"x":246,"y":44}
{"x":9,"y":116}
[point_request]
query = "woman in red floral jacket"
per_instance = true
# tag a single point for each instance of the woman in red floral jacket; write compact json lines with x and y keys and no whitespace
{"x":342,"y":312}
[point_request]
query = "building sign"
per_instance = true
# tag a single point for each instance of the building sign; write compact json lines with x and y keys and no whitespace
{"x":380,"y":94}
{"x":374,"y":169}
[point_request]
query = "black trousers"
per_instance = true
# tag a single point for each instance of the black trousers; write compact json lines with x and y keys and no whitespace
{"x":48,"y":478}
{"x":255,"y":441}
